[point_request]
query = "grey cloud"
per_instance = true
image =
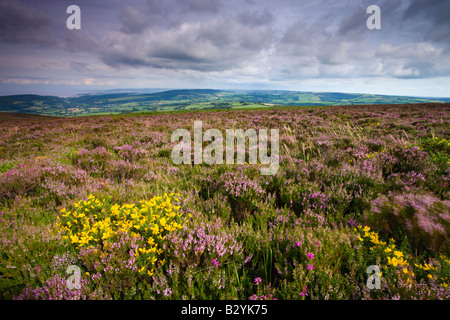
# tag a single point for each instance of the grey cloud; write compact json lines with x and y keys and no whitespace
{"x":256,"y":19}
{"x":417,"y":51}
{"x":436,"y":10}
{"x":432,"y":15}
{"x":316,"y":49}
{"x":24,"y":24}
{"x":166,"y":14}
{"x":181,"y":35}
{"x":353,"y":25}
{"x":133,"y":20}
{"x":211,"y":6}
{"x":82,"y":40}
{"x":175,"y":12}
{"x":208,"y":46}
{"x":415,"y":60}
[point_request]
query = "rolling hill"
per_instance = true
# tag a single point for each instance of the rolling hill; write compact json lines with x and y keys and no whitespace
{"x":188,"y":99}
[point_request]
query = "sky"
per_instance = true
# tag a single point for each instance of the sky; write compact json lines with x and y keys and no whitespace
{"x":299,"y":45}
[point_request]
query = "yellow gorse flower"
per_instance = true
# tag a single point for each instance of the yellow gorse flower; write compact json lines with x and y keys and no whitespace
{"x":396,"y":258}
{"x":95,"y":222}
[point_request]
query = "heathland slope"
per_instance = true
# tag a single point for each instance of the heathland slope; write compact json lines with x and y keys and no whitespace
{"x":359,"y":208}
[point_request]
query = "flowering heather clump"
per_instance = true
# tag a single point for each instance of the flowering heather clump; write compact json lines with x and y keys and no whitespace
{"x":93,"y":161}
{"x":240,"y":191}
{"x":130,"y":153}
{"x":121,"y":170}
{"x":356,"y":187}
{"x":19,"y":181}
{"x":204,"y":242}
{"x":240,"y":186}
{"x":404,"y":159}
{"x":56,"y":288}
{"x":114,"y":266}
{"x":424,"y":219}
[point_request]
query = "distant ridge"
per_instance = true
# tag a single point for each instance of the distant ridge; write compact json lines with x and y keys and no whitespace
{"x":115,"y":102}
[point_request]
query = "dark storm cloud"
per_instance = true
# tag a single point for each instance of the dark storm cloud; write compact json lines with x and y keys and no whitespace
{"x":24,"y":24}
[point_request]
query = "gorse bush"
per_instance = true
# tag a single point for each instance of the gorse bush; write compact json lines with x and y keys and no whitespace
{"x":95,"y":222}
{"x":400,"y":276}
{"x":118,"y":245}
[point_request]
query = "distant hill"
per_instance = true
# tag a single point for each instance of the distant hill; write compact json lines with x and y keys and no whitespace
{"x":114,"y":102}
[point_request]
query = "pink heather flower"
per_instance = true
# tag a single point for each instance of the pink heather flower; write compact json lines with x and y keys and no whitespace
{"x":215,"y":262}
{"x":310,"y":255}
{"x":304,"y":292}
{"x":257,"y":281}
{"x":310,"y":267}
{"x":298,"y":244}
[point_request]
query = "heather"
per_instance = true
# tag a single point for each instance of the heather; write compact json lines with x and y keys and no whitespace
{"x":357,"y":186}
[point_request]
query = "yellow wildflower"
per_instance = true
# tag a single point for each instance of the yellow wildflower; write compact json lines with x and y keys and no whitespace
{"x":74,"y":238}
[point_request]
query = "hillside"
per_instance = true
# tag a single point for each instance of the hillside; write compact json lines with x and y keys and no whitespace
{"x":188,"y":99}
